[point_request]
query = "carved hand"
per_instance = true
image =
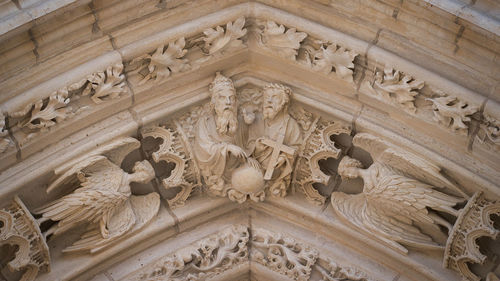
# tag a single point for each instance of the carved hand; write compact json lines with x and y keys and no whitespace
{"x":236,"y":151}
{"x":254,"y":163}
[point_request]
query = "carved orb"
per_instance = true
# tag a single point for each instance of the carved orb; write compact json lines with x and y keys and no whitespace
{"x":247,"y":179}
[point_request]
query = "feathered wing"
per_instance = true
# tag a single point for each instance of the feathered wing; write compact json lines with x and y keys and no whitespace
{"x":408,"y":163}
{"x":115,"y":151}
{"x":122,"y":220}
{"x":389,"y":211}
{"x":130,"y":218}
{"x":96,"y":199}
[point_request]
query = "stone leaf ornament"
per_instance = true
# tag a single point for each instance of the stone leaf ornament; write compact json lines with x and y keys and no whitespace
{"x":104,"y":199}
{"x":333,"y":271}
{"x":395,"y":87}
{"x":162,"y":63}
{"x":489,"y":132}
{"x":5,"y":141}
{"x":399,"y":192}
{"x":42,"y":115}
{"x":334,"y":58}
{"x":106,"y":85}
{"x":452,"y":112}
{"x":279,"y":39}
{"x":283,"y":254}
{"x":201,"y":260}
{"x":219,"y":40}
{"x":18,"y":228}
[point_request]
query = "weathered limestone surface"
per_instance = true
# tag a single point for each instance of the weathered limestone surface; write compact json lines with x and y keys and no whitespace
{"x":249,"y":140}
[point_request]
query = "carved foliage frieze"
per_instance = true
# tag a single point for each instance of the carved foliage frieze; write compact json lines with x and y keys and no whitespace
{"x":401,"y":90}
{"x":283,"y":254}
{"x":201,"y":260}
{"x":18,"y":228}
{"x":184,"y":54}
{"x":319,"y":55}
{"x":489,"y":132}
{"x":5,"y":141}
{"x":42,"y":115}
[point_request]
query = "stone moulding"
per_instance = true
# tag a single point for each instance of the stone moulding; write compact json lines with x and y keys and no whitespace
{"x":42,"y":115}
{"x":201,"y":260}
{"x":19,"y":228}
{"x":473,"y":222}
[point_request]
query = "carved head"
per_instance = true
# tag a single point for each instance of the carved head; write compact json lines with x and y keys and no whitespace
{"x":223,"y":101}
{"x":349,"y":168}
{"x":143,"y":172}
{"x":276,"y":98}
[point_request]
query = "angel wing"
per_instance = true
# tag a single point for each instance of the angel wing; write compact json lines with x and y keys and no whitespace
{"x":379,"y":217}
{"x":131,"y":217}
{"x":408,"y":163}
{"x":97,"y":198}
{"x":114,"y":151}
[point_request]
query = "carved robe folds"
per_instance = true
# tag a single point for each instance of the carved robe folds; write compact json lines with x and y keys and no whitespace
{"x":211,"y":151}
{"x":284,"y":131}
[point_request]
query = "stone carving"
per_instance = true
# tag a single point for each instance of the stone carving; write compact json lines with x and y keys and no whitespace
{"x":175,"y":149}
{"x":162,"y":62}
{"x":5,"y":142}
{"x":217,"y":40}
{"x":452,"y":112}
{"x":18,"y":228}
{"x":201,"y":260}
{"x":473,"y":222}
{"x":327,"y":57}
{"x":246,"y":145}
{"x":398,"y":194}
{"x":395,"y":87}
{"x":103,"y":198}
{"x":106,"y":85}
{"x":489,"y":132}
{"x":332,"y":271}
{"x":275,"y":139}
{"x":281,"y":40}
{"x":40,"y":116}
{"x":318,"y":145}
{"x":283,"y":254}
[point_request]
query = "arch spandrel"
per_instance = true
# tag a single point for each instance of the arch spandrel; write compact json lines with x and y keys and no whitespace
{"x":419,"y":127}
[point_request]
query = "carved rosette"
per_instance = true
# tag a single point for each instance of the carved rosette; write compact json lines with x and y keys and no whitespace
{"x":318,"y":146}
{"x":283,"y":254}
{"x":473,"y":222}
{"x":18,"y":228}
{"x":201,"y":260}
{"x":175,"y":149}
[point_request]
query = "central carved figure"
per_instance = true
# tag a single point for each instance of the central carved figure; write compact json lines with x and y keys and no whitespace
{"x":218,"y":147}
{"x":240,"y":161}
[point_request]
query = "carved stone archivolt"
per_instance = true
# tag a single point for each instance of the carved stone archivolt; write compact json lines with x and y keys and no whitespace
{"x":18,"y":228}
{"x":246,"y":145}
{"x":42,"y":115}
{"x":475,"y":221}
{"x":201,"y":260}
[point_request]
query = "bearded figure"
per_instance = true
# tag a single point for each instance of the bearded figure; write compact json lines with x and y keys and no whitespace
{"x":274,"y":140}
{"x":217,"y":139}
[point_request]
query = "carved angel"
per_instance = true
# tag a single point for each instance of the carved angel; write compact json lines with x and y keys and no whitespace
{"x":395,"y":200}
{"x":103,"y":199}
